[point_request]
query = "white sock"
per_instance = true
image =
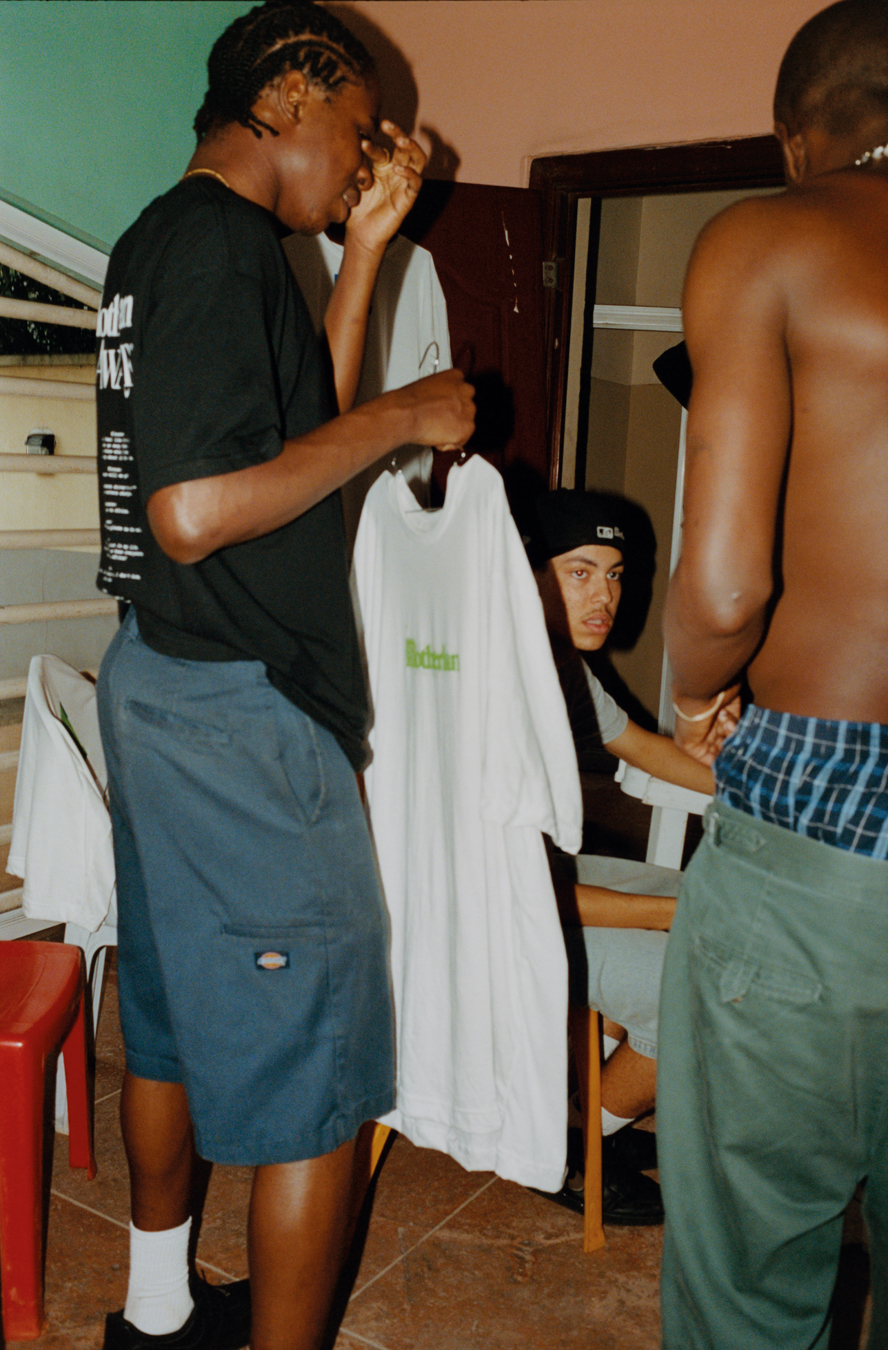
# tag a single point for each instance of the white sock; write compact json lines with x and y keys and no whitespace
{"x":610,"y":1045}
{"x":158,"y":1299}
{"x":610,"y":1124}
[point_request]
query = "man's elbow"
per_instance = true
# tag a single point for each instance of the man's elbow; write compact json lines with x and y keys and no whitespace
{"x":732,"y":611}
{"x":723,"y":608}
{"x":184,"y":551}
{"x":175,"y":526}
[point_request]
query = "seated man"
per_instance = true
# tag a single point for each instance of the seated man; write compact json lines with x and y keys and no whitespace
{"x":616,"y":936}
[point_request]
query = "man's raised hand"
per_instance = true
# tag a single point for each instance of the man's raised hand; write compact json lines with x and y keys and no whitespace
{"x":397,"y":178}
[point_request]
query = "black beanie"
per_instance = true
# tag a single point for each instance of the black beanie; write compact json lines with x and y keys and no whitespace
{"x":568,"y":518}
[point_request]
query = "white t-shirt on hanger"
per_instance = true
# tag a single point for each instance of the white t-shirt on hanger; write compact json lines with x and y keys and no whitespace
{"x":473,"y":760}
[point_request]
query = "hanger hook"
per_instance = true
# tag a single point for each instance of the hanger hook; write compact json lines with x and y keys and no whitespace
{"x":437,"y":358}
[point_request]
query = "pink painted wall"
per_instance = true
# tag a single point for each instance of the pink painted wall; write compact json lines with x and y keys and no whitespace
{"x":503,"y":81}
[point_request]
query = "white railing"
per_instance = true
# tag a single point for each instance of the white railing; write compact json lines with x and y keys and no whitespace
{"x":59,"y":538}
{"x":40,"y":313}
{"x":30,"y":388}
{"x":37,"y":239}
{"x":57,"y":609}
{"x":50,"y":538}
{"x":47,"y":463}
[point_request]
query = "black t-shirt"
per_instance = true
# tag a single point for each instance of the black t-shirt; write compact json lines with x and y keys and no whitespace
{"x":207,"y":361}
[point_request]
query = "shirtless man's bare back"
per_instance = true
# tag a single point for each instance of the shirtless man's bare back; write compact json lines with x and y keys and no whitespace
{"x":773,"y":1083}
{"x":790,"y":380}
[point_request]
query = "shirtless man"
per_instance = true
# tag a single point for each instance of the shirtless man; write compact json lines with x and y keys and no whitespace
{"x":773,"y":1072}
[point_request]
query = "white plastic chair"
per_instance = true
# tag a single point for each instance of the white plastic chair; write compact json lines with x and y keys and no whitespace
{"x":669,"y":818}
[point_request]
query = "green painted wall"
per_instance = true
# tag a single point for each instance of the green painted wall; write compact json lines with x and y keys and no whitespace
{"x":98,"y":97}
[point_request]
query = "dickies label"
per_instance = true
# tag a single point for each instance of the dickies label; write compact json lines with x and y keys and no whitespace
{"x":271,"y":960}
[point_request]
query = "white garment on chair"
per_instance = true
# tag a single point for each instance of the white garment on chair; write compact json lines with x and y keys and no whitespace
{"x":61,"y":828}
{"x":473,"y":759}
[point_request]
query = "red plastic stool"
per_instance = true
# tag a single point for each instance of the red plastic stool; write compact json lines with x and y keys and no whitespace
{"x":41,"y":1008}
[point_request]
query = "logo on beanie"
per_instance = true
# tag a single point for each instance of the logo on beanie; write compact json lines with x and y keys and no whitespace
{"x":610,"y":532}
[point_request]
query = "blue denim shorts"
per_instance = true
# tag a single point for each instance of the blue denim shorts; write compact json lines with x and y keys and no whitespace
{"x":253,"y":940}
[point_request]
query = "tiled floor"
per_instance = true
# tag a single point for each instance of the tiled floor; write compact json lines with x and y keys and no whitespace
{"x":452,"y":1261}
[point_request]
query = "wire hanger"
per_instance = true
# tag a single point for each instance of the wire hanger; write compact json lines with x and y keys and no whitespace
{"x":436,"y":360}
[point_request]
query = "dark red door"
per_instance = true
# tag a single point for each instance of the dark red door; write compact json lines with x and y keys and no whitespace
{"x":487,"y":247}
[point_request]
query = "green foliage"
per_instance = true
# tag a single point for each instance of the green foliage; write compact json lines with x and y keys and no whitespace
{"x":23,"y":337}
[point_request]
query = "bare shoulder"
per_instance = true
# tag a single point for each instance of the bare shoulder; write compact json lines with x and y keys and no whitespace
{"x":748,"y":216}
{"x":829,"y":213}
{"x":751,"y":235}
{"x":735,"y":277}
{"x":778,"y":252}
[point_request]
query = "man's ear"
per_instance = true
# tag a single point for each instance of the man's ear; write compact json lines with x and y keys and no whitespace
{"x":795,"y":153}
{"x":293,"y":90}
{"x":281,"y":102}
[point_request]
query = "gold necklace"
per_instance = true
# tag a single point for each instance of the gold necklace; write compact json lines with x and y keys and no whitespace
{"x":212,"y":174}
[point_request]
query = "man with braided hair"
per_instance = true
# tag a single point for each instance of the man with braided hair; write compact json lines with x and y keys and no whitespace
{"x":772,"y":1099}
{"x":253,"y":974}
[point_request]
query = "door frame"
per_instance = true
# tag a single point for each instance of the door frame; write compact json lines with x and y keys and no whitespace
{"x":748,"y":162}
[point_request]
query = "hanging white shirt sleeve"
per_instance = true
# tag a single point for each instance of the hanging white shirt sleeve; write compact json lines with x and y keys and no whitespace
{"x":530,"y":772}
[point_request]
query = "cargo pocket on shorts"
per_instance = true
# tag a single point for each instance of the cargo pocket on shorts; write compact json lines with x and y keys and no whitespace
{"x":285,"y":970}
{"x":272,"y":1086}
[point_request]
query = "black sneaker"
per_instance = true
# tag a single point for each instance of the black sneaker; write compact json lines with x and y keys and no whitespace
{"x":568,"y":1197}
{"x":629,"y":1199}
{"x":633,"y":1148}
{"x":219,"y":1320}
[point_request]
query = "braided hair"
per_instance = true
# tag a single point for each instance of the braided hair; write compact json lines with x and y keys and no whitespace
{"x":270,"y":39}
